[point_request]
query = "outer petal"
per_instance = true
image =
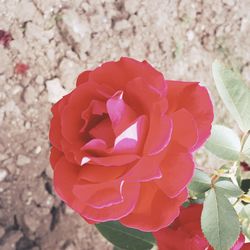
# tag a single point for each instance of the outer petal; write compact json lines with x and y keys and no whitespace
{"x":196,"y":100}
{"x":154,"y":209}
{"x":117,"y":74}
{"x":83,"y":77}
{"x":55,"y":134}
{"x":115,"y":212}
{"x":141,"y":96}
{"x":185,"y":135}
{"x":79,"y":100}
{"x":55,"y":156}
{"x":177,"y":170}
{"x":65,"y":177}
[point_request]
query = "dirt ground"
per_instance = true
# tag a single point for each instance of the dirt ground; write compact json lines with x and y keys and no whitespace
{"x":44,"y":44}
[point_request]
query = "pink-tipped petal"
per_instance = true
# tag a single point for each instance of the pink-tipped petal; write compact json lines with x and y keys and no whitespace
{"x":121,"y":115}
{"x":130,"y":195}
{"x":100,"y":195}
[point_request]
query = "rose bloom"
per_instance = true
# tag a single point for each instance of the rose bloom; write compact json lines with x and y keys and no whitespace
{"x":185,"y":233}
{"x":122,"y":144}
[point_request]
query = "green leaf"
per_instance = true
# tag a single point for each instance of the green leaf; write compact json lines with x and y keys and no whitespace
{"x":228,"y":188}
{"x":200,"y":182}
{"x":234,"y":93}
{"x":219,"y":221}
{"x":245,"y":220}
{"x":224,"y":143}
{"x":125,"y":238}
{"x":246,"y":148}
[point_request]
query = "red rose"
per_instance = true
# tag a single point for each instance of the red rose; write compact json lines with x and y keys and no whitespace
{"x":186,"y":233}
{"x":122,"y":144}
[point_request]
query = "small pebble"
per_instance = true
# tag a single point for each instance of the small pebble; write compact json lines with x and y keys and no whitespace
{"x":30,"y":95}
{"x":49,"y":171}
{"x":39,"y":80}
{"x":27,"y":125}
{"x":16,"y":89}
{"x":122,"y":25}
{"x":37,"y":150}
{"x":22,"y":160}
{"x":70,"y":247}
{"x":3,"y":174}
{"x":55,"y":90}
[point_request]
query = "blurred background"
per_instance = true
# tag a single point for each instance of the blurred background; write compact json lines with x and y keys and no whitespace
{"x":44,"y":44}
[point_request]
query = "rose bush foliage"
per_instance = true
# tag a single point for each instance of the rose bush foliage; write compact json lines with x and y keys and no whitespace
{"x":186,"y":233}
{"x":122,"y":144}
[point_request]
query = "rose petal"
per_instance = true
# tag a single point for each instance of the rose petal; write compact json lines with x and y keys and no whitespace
{"x":121,"y":115}
{"x":187,"y":135}
{"x":95,"y":108}
{"x":65,"y":177}
{"x":154,"y":210}
{"x":79,"y":100}
{"x":141,"y":96}
{"x":114,"y":160}
{"x":55,"y":133}
{"x":146,"y":169}
{"x":160,"y":131}
{"x":83,"y":77}
{"x":170,"y":239}
{"x":100,"y":195}
{"x":239,"y":244}
{"x":194,"y":99}
{"x":177,"y":170}
{"x":117,"y":74}
{"x":191,"y":214}
{"x":104,"y":131}
{"x":55,"y":155}
{"x":246,"y":246}
{"x":96,"y":173}
{"x":131,"y":140}
{"x":95,"y":147}
{"x":130,"y":195}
